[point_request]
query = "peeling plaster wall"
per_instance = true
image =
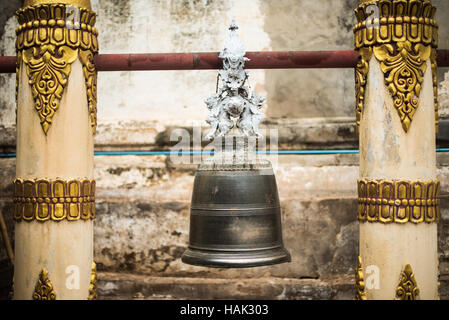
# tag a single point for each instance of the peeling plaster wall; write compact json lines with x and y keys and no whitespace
{"x":170,"y":26}
{"x":140,"y":26}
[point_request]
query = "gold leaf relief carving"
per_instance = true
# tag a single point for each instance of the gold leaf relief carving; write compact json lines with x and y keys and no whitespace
{"x":433,"y":61}
{"x":48,"y":48}
{"x":90,"y":76}
{"x":398,"y":201}
{"x":18,"y":63}
{"x":438,"y":280}
{"x":407,"y":288}
{"x":360,"y":282}
{"x":361,"y":73}
{"x":54,"y":200}
{"x":93,"y":283}
{"x":48,"y":68}
{"x":403,"y":34}
{"x":404,"y":68}
{"x":44,"y":288}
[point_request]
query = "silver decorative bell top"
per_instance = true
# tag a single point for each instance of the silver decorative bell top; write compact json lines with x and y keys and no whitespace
{"x":234,"y":99}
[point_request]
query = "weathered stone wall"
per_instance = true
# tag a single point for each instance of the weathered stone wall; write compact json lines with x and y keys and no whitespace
{"x":143,"y":201}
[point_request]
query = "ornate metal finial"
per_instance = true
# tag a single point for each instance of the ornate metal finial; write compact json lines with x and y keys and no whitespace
{"x":233,"y":99}
{"x":233,"y":25}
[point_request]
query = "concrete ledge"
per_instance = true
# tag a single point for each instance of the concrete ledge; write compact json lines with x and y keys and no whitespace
{"x":129,"y":287}
{"x":123,"y":286}
{"x":308,"y":133}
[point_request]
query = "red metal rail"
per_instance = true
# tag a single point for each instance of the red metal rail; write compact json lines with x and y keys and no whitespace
{"x":210,"y":60}
{"x":7,"y":64}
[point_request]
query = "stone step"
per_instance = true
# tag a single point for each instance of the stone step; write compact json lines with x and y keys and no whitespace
{"x":112,"y":286}
{"x":125,"y":286}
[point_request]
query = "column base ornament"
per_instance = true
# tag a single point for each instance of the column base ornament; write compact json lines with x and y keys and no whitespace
{"x":44,"y":288}
{"x":93,"y":286}
{"x":398,"y":201}
{"x":54,"y":200}
{"x":48,"y":45}
{"x":439,"y":283}
{"x":403,"y":38}
{"x":407,"y":288}
{"x":360,"y":293}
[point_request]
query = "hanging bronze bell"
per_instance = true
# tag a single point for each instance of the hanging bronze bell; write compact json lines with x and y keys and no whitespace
{"x":235,"y":217}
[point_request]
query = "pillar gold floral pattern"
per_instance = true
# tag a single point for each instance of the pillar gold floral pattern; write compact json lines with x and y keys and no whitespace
{"x":54,"y":200}
{"x":359,"y":281}
{"x":398,"y":201}
{"x":407,"y":288}
{"x":48,"y":77}
{"x":404,"y":74}
{"x":403,"y":42}
{"x":361,"y":73}
{"x":44,"y":288}
{"x":93,"y":286}
{"x":48,"y":48}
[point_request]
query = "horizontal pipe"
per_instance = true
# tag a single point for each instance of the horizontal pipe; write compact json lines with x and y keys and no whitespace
{"x":443,"y":58}
{"x":167,"y":153}
{"x":211,"y":152}
{"x":8,"y":64}
{"x":210,"y":60}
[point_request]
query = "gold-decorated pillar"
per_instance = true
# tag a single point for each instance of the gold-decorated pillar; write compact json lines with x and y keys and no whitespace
{"x":397,"y":119}
{"x":56,"y":120}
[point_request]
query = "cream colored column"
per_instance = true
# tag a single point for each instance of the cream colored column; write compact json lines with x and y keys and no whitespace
{"x":56,"y":119}
{"x":398,"y":190}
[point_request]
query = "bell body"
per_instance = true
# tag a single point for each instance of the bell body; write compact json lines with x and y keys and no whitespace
{"x":235,"y":217}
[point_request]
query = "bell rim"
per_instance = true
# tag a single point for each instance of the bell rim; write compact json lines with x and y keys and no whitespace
{"x":233,"y":259}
